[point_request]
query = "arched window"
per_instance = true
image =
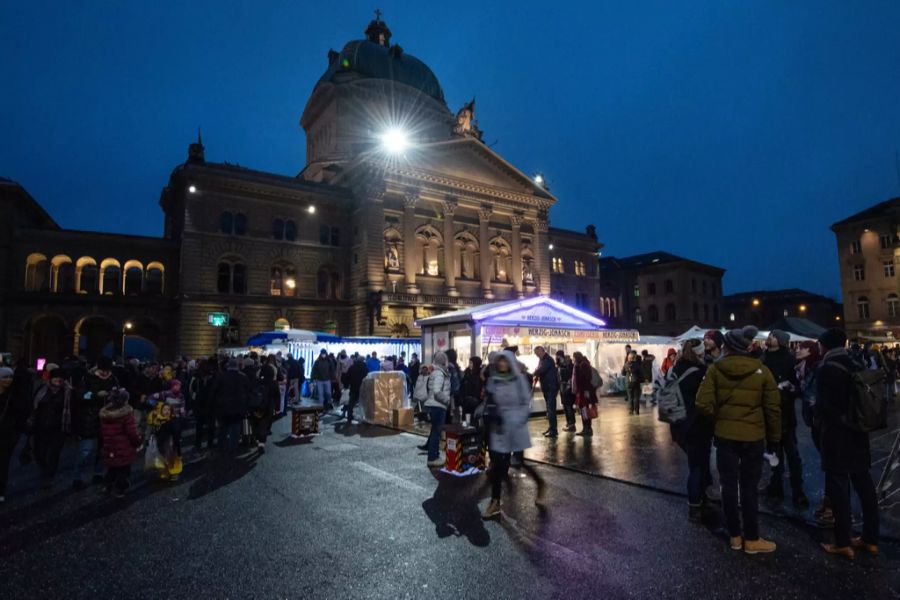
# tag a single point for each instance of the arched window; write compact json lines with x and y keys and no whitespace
{"x":653,"y":313}
{"x":466,"y":247}
{"x":328,"y":284}
{"x":637,"y":317}
{"x":278,"y":229}
{"x":282,"y":324}
{"x":429,"y":242}
{"x":86,"y":275}
{"x":893,"y":305}
{"x":154,"y":284}
{"x":500,"y":259}
{"x":231,"y":277}
{"x":226,"y":223}
{"x":651,"y":289}
{"x":670,"y":312}
{"x":240,"y":224}
{"x":134,"y":278}
{"x":290,"y":231}
{"x":37,"y":273}
{"x":283,"y":280}
{"x":110,"y":277}
{"x":62,"y":274}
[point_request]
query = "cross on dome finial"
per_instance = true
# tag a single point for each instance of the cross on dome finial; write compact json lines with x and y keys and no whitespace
{"x":377,"y":14}
{"x":378,"y":32}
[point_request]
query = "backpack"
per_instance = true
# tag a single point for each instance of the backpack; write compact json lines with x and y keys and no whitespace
{"x":420,"y":393}
{"x":671,"y":403}
{"x":867,"y":407}
{"x":596,"y":380}
{"x":257,"y":396}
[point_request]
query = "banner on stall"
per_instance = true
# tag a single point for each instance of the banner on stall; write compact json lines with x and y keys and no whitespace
{"x":491,"y":333}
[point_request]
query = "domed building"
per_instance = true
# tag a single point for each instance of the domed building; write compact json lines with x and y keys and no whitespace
{"x":400,"y":212}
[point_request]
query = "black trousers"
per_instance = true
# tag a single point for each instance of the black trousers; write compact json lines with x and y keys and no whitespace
{"x":788,"y":450}
{"x":47,"y":448}
{"x":354,"y":400}
{"x":837,"y":488}
{"x":740,"y":464}
{"x":118,"y":478}
{"x":568,"y":403}
{"x":206,"y":430}
{"x":8,"y":440}
{"x":261,"y":426}
{"x":500,"y":470}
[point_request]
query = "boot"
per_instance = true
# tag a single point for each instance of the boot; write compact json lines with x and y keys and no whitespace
{"x":845,"y":551}
{"x":736,"y":542}
{"x":857,"y":544}
{"x":759,"y":546}
{"x":492,"y":511}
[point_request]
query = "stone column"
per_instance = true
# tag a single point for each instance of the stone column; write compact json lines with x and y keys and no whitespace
{"x":410,"y":257}
{"x":538,"y":251}
{"x":516,"y":221}
{"x":484,"y":251}
{"x":449,"y":248}
{"x":373,"y":235}
{"x":542,"y":254}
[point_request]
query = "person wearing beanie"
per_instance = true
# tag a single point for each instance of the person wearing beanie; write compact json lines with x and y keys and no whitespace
{"x":50,"y":422}
{"x":98,"y":383}
{"x":437,"y":405}
{"x":118,"y":431}
{"x":713,"y":340}
{"x":740,"y":397}
{"x":781,"y":363}
{"x":846,"y":455}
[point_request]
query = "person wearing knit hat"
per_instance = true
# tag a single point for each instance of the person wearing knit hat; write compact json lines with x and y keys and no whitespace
{"x":781,"y":362}
{"x":118,"y":431}
{"x":98,"y":384}
{"x":846,"y":453}
{"x":713,"y":340}
{"x":740,"y":397}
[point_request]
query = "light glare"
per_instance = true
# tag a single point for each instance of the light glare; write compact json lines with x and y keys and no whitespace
{"x":394,"y":140}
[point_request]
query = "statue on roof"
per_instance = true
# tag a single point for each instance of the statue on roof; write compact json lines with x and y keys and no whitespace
{"x":466,"y":125}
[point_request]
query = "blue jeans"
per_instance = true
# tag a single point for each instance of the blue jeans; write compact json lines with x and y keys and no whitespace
{"x":323,"y":393}
{"x":229,"y":434}
{"x":550,"y":400}
{"x":86,"y":453}
{"x":438,"y":416}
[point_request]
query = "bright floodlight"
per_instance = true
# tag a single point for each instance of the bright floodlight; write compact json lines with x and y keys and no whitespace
{"x":394,"y":140}
{"x":539,"y":179}
{"x":311,"y":210}
{"x":193,"y":189}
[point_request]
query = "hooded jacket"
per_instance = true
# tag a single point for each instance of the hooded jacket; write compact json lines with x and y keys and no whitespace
{"x":511,"y":395}
{"x":120,"y":437}
{"x":740,"y":396}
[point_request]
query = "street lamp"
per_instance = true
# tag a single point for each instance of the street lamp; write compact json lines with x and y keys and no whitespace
{"x":125,"y":329}
{"x":311,"y":209}
{"x":394,"y":140}
{"x":756,"y":302}
{"x":539,"y":179}
{"x":192,"y":189}
{"x":803,"y":308}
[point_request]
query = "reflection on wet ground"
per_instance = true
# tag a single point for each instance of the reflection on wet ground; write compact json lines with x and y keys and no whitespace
{"x":639,"y":449}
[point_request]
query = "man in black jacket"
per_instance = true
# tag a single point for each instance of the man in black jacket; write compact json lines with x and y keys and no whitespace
{"x":564,"y":368}
{"x":846,"y":456}
{"x":230,"y":392}
{"x":97,"y":386}
{"x":781,"y":363}
{"x":356,"y":374}
{"x":546,"y":374}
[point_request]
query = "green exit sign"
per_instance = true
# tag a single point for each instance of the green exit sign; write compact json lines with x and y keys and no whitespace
{"x":217,"y":319}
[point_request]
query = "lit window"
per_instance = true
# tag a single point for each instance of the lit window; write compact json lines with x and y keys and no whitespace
{"x":558,"y":265}
{"x":887,"y":241}
{"x":893,"y":303}
{"x":637,"y":291}
{"x":637,"y":316}
{"x":889,"y":268}
{"x":862,"y":307}
{"x":731,"y":317}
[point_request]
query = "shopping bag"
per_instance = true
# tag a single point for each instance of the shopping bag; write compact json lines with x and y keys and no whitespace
{"x":345,"y":396}
{"x":589,"y":412}
{"x":152,"y":457}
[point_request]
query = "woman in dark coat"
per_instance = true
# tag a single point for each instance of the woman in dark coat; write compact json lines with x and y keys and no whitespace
{"x":693,"y":434}
{"x":583,"y":387}
{"x":846,"y":457}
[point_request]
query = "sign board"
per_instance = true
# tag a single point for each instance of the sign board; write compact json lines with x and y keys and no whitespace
{"x":604,"y":335}
{"x":217,"y":319}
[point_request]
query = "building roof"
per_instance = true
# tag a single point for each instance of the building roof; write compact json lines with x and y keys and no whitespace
{"x":369,"y":59}
{"x":786,"y":294}
{"x":882,"y":209}
{"x":798,"y":325}
{"x":639,"y":261}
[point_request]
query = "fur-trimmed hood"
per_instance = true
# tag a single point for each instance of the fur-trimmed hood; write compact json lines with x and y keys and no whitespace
{"x":110,"y":413}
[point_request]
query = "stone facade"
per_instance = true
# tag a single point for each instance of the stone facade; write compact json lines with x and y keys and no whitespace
{"x":762,"y":308}
{"x":363,"y":241}
{"x":868,"y":245}
{"x":659,"y":293}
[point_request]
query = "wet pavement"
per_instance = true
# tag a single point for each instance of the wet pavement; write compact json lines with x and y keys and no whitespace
{"x":354,"y":513}
{"x":639,"y":450}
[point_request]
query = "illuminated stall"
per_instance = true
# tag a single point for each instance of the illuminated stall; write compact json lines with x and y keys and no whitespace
{"x":536,"y":321}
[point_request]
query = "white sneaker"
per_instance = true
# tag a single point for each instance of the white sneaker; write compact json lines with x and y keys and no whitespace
{"x":438,"y":462}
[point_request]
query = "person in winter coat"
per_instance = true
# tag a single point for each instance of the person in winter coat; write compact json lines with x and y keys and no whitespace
{"x":120,"y":441}
{"x":472,"y":386}
{"x":166,"y":421}
{"x":564,"y":370}
{"x":508,"y":409}
{"x":713,"y":341}
{"x":15,"y":408}
{"x":694,"y":433}
{"x":808,"y":359}
{"x":97,"y":385}
{"x":781,"y":363}
{"x":669,"y":361}
{"x":204,"y":411}
{"x":230,"y":393}
{"x":846,"y":456}
{"x":436,"y":406}
{"x":740,"y":396}
{"x":261,"y":417}
{"x":355,"y":376}
{"x":413,"y":366}
{"x":585,"y":394}
{"x":323,"y":374}
{"x":50,"y":422}
{"x":546,"y":374}
{"x":632,"y":372}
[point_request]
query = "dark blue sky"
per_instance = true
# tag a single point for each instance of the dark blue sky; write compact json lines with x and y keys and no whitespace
{"x":733,"y":133}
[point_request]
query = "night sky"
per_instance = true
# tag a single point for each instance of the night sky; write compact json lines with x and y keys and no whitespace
{"x":733,"y":133}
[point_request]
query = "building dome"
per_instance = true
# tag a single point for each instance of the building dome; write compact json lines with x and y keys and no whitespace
{"x":374,"y":58}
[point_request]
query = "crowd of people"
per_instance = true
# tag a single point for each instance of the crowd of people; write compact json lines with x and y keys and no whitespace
{"x":736,"y":395}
